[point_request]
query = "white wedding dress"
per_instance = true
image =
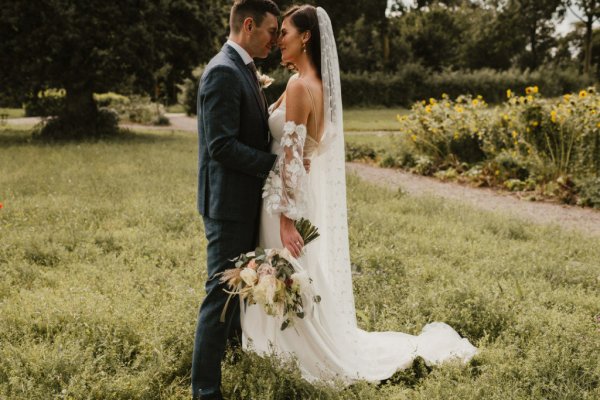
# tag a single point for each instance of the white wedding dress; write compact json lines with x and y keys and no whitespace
{"x":327,"y":343}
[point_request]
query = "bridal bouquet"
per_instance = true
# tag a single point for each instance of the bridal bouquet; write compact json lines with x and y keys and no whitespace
{"x":273,"y":279}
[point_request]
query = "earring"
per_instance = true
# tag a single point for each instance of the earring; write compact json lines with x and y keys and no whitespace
{"x":303,"y":47}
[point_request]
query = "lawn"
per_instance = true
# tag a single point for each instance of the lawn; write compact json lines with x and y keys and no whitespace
{"x":12,"y":112}
{"x":372,"y":119}
{"x":102,"y":270}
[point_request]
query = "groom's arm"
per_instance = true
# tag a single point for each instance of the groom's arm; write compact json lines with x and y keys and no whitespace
{"x":220,"y":99}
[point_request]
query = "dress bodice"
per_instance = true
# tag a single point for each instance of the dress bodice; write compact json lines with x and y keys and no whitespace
{"x":276,"y":123}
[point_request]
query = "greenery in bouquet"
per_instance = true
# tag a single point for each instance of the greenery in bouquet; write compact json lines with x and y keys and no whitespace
{"x":274,"y":279}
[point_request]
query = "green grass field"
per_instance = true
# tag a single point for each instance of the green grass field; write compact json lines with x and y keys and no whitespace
{"x":12,"y":112}
{"x":372,"y":119}
{"x":102,"y":271}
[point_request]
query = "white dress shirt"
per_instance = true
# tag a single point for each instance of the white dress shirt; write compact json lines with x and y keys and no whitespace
{"x":243,"y":53}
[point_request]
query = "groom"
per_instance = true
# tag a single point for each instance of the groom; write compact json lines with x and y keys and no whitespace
{"x":234,"y":161}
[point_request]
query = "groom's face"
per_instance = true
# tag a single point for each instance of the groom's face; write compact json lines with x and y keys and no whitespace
{"x":263,"y":37}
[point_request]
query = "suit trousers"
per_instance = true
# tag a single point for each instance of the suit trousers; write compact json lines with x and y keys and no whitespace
{"x":226,"y":240}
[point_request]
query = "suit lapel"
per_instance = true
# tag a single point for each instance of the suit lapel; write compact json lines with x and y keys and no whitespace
{"x":249,"y":79}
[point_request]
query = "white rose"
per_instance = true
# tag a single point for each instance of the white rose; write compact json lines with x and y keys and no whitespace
{"x":249,"y":276}
{"x":302,"y":280}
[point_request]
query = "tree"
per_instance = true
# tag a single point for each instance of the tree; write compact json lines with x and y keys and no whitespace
{"x":535,"y":21}
{"x":591,"y":13}
{"x":92,"y":46}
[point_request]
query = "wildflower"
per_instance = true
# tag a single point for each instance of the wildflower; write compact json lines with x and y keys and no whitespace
{"x":414,"y":138}
{"x":458,"y":109}
{"x":567,"y":97}
{"x":535,"y":123}
{"x":475,"y":102}
{"x":505,"y":117}
{"x":515,"y":143}
{"x":432,"y":101}
{"x":428,"y":109}
{"x":480,"y":97}
{"x":535,"y":89}
{"x":445,"y":96}
{"x":515,"y":134}
{"x":528,"y":90}
{"x":509,"y":93}
{"x":553,"y":116}
{"x":530,"y":98}
{"x":456,"y":136}
{"x":582,"y":94}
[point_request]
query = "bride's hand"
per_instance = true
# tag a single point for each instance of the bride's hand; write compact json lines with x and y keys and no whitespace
{"x":290,"y":238}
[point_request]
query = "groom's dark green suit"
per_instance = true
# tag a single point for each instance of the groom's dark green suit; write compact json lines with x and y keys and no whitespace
{"x":234,"y":161}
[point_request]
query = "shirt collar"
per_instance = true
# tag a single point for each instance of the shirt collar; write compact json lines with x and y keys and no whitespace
{"x":240,"y":50}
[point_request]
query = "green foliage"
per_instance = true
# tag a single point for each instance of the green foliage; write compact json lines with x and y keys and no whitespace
{"x":524,"y":142}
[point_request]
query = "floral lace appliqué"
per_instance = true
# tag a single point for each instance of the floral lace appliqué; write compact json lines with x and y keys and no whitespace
{"x":284,"y":190}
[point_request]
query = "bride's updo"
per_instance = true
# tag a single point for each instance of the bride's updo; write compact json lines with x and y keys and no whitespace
{"x":304,"y":18}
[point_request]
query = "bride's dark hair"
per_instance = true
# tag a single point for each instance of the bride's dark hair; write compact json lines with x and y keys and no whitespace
{"x":304,"y":18}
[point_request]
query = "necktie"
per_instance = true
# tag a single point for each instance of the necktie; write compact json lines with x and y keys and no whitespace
{"x":252,"y":67}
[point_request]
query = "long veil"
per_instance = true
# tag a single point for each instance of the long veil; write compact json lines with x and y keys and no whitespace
{"x":330,"y":183}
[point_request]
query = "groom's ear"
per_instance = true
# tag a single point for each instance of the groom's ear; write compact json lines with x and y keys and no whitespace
{"x":248,"y":24}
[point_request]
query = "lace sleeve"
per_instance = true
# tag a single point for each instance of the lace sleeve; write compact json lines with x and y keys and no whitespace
{"x":284,"y":188}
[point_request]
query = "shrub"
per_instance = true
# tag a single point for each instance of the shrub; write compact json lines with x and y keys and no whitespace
{"x":45,"y":103}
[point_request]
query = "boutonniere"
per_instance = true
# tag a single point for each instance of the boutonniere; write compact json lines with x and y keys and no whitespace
{"x":264,"y":80}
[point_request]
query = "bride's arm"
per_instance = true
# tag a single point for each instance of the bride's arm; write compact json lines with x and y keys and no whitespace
{"x":289,"y":202}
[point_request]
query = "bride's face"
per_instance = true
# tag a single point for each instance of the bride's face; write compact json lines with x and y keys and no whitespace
{"x":290,"y":42}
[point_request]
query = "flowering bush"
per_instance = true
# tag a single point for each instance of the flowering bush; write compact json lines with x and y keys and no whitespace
{"x":527,"y":138}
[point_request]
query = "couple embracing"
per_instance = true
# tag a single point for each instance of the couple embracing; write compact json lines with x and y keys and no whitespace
{"x":291,"y":154}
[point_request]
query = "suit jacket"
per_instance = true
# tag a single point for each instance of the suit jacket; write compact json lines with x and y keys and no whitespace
{"x":233,"y":130}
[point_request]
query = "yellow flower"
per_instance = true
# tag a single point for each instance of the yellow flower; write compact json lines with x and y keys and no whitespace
{"x":514,"y":134}
{"x":458,"y":109}
{"x":509,"y":93}
{"x":497,"y":172}
{"x":528,"y":130}
{"x":445,"y":96}
{"x":428,"y":109}
{"x":432,"y":100}
{"x":530,"y":98}
{"x":505,"y":117}
{"x":535,"y":123}
{"x":398,"y":117}
{"x":567,"y":97}
{"x":553,"y":116}
{"x":535,"y":89}
{"x":528,"y":90}
{"x":414,"y":138}
{"x":521,"y":99}
{"x":582,"y":94}
{"x":475,"y":102}
{"x":480,"y":97}
{"x":598,"y":125}
{"x":516,"y":143}
{"x":455,"y":135}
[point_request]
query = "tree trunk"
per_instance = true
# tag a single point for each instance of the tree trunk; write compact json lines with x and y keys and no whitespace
{"x":80,"y":118}
{"x":587,"y":63}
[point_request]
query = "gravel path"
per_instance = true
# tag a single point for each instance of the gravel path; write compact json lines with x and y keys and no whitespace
{"x":575,"y":218}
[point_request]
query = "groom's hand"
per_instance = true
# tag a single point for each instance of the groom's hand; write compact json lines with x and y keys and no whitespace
{"x":290,"y":238}
{"x":306,"y":162}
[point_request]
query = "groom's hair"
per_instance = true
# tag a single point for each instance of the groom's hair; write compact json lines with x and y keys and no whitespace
{"x":255,"y":9}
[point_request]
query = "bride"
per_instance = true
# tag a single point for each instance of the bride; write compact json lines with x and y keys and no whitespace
{"x":306,"y":122}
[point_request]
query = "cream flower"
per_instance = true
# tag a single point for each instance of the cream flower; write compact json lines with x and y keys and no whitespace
{"x":249,"y":276}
